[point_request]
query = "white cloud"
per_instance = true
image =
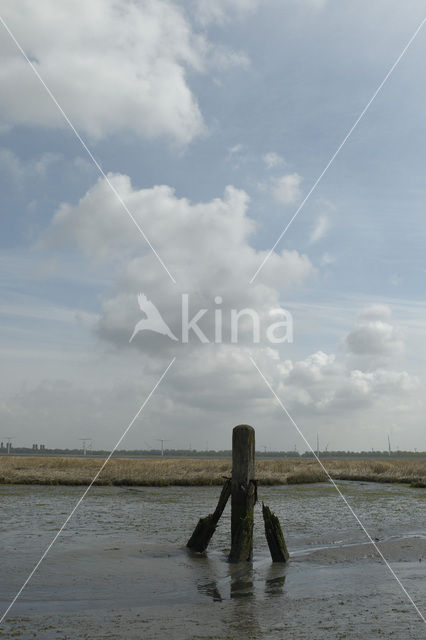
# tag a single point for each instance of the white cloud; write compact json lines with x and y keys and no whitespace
{"x":375,"y":312}
{"x":210,"y":389}
{"x":272,"y":160}
{"x":4,"y":409}
{"x":320,"y":229}
{"x":286,"y":190}
{"x":238,"y":155}
{"x":331,"y":382}
{"x":374,"y":335}
{"x":13,"y":166}
{"x":373,"y":338}
{"x":113,"y":66}
{"x":224,"y":11}
{"x":327,"y":259}
{"x":235,"y":149}
{"x":395,"y":280}
{"x":222,"y":58}
{"x":205,"y":245}
{"x":221,"y":11}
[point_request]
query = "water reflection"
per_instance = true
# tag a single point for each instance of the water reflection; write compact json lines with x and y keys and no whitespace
{"x":274,"y":583}
{"x":210,"y":590}
{"x":243,"y":582}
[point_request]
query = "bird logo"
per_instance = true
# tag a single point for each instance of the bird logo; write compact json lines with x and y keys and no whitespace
{"x":153,"y":320}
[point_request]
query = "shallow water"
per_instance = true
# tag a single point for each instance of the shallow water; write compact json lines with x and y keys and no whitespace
{"x":121,"y":565}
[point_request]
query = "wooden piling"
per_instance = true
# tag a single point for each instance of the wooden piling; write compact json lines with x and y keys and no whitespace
{"x":243,"y":490}
{"x":207,"y":526}
{"x":274,"y":536}
{"x":243,"y":493}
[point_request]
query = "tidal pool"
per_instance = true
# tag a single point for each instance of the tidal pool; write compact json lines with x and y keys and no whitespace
{"x":120,"y":569}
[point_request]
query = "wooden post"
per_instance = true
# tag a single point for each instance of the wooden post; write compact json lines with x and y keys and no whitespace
{"x":274,"y":536}
{"x":207,"y":526}
{"x":243,"y":493}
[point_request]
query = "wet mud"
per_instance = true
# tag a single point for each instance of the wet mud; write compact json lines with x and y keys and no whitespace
{"x":121,"y":569}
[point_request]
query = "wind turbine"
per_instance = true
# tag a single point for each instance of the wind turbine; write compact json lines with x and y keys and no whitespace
{"x":84,"y":443}
{"x":162,"y":440}
{"x":8,"y":443}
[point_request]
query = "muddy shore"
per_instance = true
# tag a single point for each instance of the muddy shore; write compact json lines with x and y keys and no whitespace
{"x":121,"y":569}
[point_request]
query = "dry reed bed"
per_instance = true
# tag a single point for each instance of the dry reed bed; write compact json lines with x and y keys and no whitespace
{"x":201,"y":472}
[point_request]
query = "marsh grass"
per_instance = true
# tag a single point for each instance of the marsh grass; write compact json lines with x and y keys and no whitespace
{"x":202,"y":472}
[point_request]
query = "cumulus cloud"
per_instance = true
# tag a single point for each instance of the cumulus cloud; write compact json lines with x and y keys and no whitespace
{"x":320,"y":229}
{"x":272,"y":160}
{"x":212,"y":387}
{"x":381,"y":389}
{"x":208,"y":390}
{"x":238,"y":155}
{"x":375,"y":312}
{"x":327,"y":259}
{"x":374,"y":334}
{"x":286,"y":190}
{"x":113,"y":66}
{"x":331,"y":383}
{"x":12,"y":166}
{"x":205,"y":245}
{"x":222,"y":11}
{"x":221,"y":58}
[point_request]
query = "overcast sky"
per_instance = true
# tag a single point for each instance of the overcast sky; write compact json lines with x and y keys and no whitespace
{"x":212,"y":121}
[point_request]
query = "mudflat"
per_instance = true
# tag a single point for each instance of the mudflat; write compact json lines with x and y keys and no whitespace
{"x":121,"y":570}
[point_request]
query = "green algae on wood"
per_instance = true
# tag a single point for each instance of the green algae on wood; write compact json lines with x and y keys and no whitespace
{"x":206,"y":527}
{"x":274,"y":536}
{"x":243,"y":493}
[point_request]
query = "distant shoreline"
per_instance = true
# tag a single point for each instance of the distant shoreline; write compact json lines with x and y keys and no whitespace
{"x":202,"y":472}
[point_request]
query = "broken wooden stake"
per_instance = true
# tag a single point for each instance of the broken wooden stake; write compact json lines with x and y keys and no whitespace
{"x":274,"y":536}
{"x":206,"y":527}
{"x":243,"y":490}
{"x":243,"y":493}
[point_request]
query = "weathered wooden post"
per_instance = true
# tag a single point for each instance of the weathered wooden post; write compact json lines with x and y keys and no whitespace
{"x":274,"y":536}
{"x":243,"y":490}
{"x":199,"y":541}
{"x":243,"y":493}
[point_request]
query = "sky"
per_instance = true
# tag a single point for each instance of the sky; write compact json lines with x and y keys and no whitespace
{"x":162,"y":148}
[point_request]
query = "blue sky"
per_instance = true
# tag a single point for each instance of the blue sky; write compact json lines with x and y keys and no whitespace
{"x":253,"y":95}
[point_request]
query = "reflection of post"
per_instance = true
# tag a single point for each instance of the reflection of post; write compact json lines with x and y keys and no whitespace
{"x":242,"y":584}
{"x":243,"y":493}
{"x":275,"y":579}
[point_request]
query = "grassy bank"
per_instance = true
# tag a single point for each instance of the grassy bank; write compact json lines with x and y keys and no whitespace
{"x":163,"y":472}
